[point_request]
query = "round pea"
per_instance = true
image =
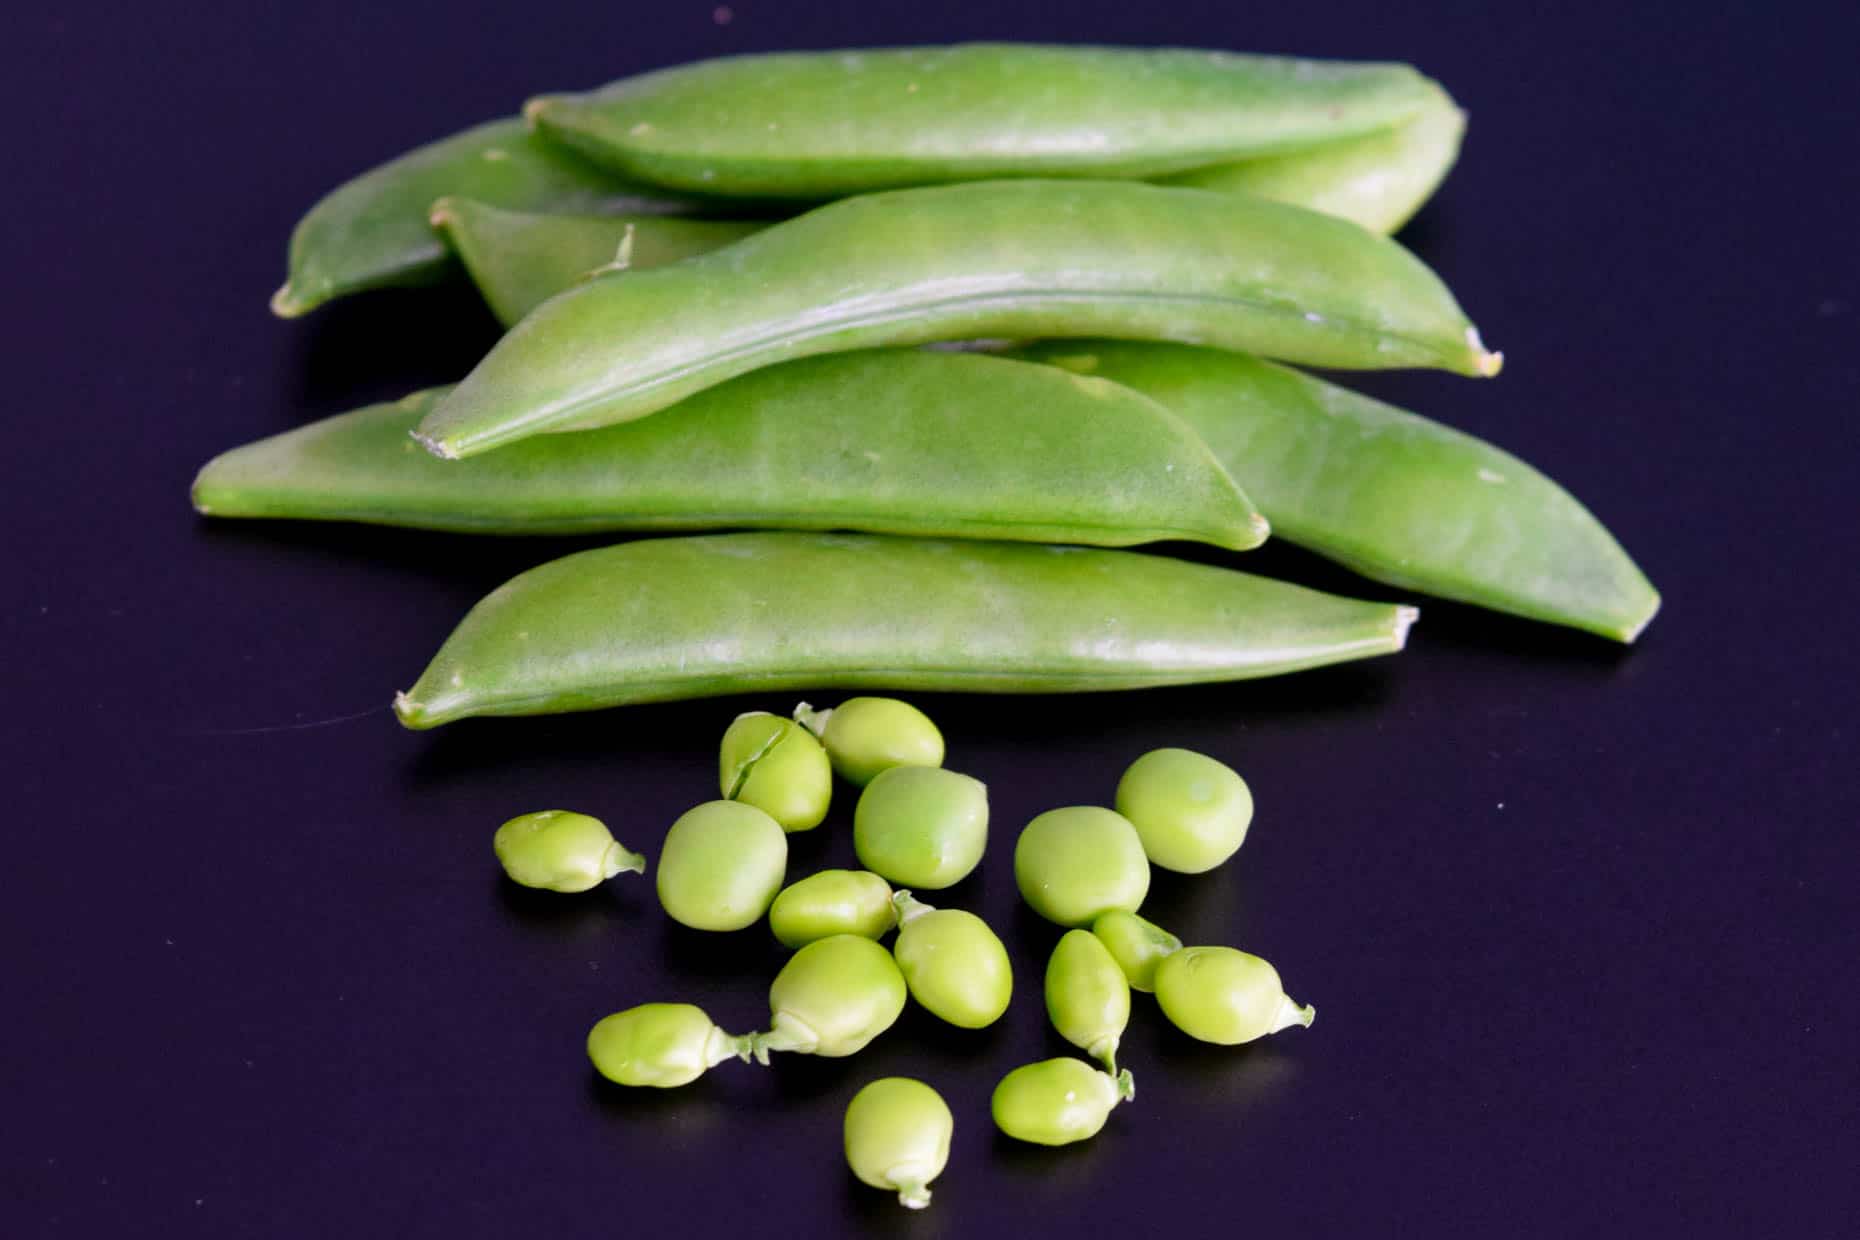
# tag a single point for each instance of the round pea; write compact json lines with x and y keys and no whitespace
{"x":1057,"y":1101}
{"x":1075,"y":864}
{"x":1136,"y":944}
{"x":558,"y":850}
{"x":661,"y":1044}
{"x":1190,"y":811}
{"x":867,"y":735}
{"x":1087,"y":996}
{"x":721,"y":865}
{"x":953,"y":963}
{"x":1221,"y":995}
{"x":777,"y":766}
{"x":897,"y":1137}
{"x":921,"y":826}
{"x":832,"y":997}
{"x":832,"y":902}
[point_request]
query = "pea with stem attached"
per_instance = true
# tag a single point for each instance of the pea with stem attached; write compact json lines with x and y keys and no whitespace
{"x":866,"y":735}
{"x":832,"y":997}
{"x":832,"y":902}
{"x":1218,"y":994}
{"x":1087,"y":996}
{"x":777,"y":766}
{"x":921,"y":826}
{"x":559,"y":850}
{"x":897,"y":1135}
{"x":1137,"y":944}
{"x":1058,"y":1101}
{"x":952,"y":963}
{"x":721,"y":865}
{"x":662,"y":1045}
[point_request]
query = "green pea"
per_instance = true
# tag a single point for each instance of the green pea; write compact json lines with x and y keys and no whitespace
{"x":777,"y":766}
{"x":721,"y":865}
{"x":897,"y":1137}
{"x":1087,"y":996}
{"x":832,"y":902}
{"x":1137,"y":945}
{"x":832,"y":997}
{"x":1190,"y":811}
{"x":952,"y":962}
{"x":1058,"y":1101}
{"x":867,"y":735}
{"x":558,"y":850}
{"x":921,"y":826}
{"x":1221,"y":995}
{"x":662,"y":1044}
{"x":1073,"y":865}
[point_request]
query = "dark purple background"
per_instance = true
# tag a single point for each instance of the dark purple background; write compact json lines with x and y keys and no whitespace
{"x":1581,"y":923}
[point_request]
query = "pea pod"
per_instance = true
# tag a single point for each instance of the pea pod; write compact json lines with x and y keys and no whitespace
{"x":663,"y":1045}
{"x":672,"y":618}
{"x":1057,"y":1101}
{"x":818,"y":124}
{"x":895,"y":441}
{"x":952,"y":963}
{"x":987,"y":259}
{"x":1087,"y":996}
{"x":1391,"y":495}
{"x":832,"y":997}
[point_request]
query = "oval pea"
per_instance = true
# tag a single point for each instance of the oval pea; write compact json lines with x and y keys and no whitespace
{"x":1087,"y":996}
{"x":721,"y":865}
{"x":897,"y":1134}
{"x":1057,"y":1101}
{"x":1190,"y":811}
{"x":832,"y":902}
{"x":865,"y":736}
{"x":952,"y":963}
{"x":559,"y":850}
{"x":1138,"y":945}
{"x":921,"y":826}
{"x":832,"y":997}
{"x":662,"y":1045}
{"x":777,"y":766}
{"x":1073,"y":865}
{"x":1218,"y":994}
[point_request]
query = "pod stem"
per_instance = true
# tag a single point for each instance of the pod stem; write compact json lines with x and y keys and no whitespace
{"x":814,"y":721}
{"x":1290,"y":1014}
{"x":913,"y":1194}
{"x":721,"y":1046}
{"x":908,"y":907}
{"x":1104,"y":1050}
{"x":1126,"y":1085}
{"x":786,"y":1033}
{"x":619,"y":858}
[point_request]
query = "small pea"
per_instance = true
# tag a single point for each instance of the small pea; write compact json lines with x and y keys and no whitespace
{"x":832,"y":997}
{"x":832,"y":902}
{"x":921,"y":826}
{"x":558,"y":850}
{"x":1087,"y":996}
{"x":777,"y":766}
{"x":867,"y":735}
{"x":897,"y":1137}
{"x":662,"y":1044}
{"x":952,"y":962}
{"x":1075,"y":864}
{"x":1058,"y":1101}
{"x":1221,"y":995}
{"x":1136,"y":944}
{"x":1190,"y":811}
{"x":721,"y":865}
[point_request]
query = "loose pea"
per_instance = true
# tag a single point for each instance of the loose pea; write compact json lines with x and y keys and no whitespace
{"x":1075,"y":864}
{"x":1137,"y":945}
{"x":1057,"y":1101}
{"x":897,"y":1137}
{"x":1190,"y":811}
{"x":867,"y":735}
{"x":558,"y":850}
{"x":777,"y":766}
{"x":721,"y":865}
{"x":952,"y":962}
{"x":662,"y":1044}
{"x":832,"y":902}
{"x":1087,"y":996}
{"x":921,"y":826}
{"x":832,"y":997}
{"x":1221,"y":995}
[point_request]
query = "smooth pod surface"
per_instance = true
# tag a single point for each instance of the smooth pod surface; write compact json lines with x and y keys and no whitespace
{"x":896,"y":1137}
{"x":832,"y":902}
{"x":662,"y":1045}
{"x":1220,"y":994}
{"x":777,"y":766}
{"x":997,"y":259}
{"x":1057,"y":1101}
{"x":1137,"y":944}
{"x":1190,"y":811}
{"x":890,"y":441}
{"x":560,"y":850}
{"x":721,"y":865}
{"x":1087,"y":996}
{"x":1394,"y":496}
{"x":921,"y":826}
{"x":673,"y":618}
{"x":953,"y":963}
{"x":820,"y":124}
{"x":1072,"y":865}
{"x":864,"y":736}
{"x":832,"y":997}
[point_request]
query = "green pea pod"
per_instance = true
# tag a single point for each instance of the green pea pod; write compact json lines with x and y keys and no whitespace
{"x":820,"y":124}
{"x":1087,"y":996}
{"x":893,"y":441}
{"x":1395,"y":497}
{"x":1378,"y":180}
{"x":672,"y":618}
{"x":519,"y":260}
{"x":1012,"y":259}
{"x":373,"y":232}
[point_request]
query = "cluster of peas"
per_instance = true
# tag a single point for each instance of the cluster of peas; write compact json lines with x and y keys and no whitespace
{"x":1083,"y":867}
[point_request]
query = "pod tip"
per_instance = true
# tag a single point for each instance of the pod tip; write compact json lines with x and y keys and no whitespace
{"x":410,"y":713}
{"x":1260,"y":527}
{"x":533,"y":110}
{"x":286,"y":304}
{"x":1632,"y":632}
{"x":438,"y":447}
{"x":442,"y":214}
{"x":1405,"y":616}
{"x":1486,"y":362}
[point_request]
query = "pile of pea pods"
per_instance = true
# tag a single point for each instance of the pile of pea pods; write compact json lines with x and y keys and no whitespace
{"x":723,"y":866}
